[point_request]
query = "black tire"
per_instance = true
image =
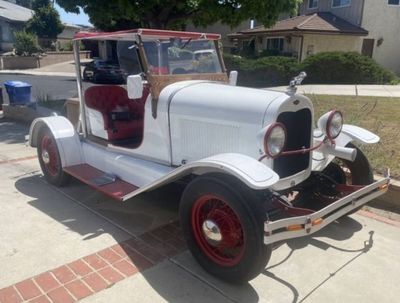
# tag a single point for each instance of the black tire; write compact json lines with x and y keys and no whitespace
{"x":50,"y":163}
{"x":361,"y":172}
{"x":358,"y":172}
{"x":85,"y":77}
{"x":95,"y":79}
{"x":236,"y":264}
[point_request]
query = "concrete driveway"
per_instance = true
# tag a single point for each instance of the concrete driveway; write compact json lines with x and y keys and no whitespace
{"x":70,"y":244}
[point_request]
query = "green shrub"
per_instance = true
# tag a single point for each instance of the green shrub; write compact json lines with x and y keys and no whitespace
{"x":25,"y":44}
{"x":322,"y":68}
{"x":264,"y":71}
{"x":345,"y":68}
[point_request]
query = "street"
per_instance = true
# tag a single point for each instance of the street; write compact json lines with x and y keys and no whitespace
{"x":72,"y":243}
{"x":55,"y":87}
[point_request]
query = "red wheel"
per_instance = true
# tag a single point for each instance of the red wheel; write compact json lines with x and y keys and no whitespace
{"x":49,"y":155}
{"x":223,"y":223}
{"x":49,"y":158}
{"x":218,"y":230}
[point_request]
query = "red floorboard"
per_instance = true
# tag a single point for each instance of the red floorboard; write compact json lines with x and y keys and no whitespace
{"x":86,"y":173}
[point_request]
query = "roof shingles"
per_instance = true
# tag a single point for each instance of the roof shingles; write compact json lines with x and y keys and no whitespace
{"x":13,"y":12}
{"x":318,"y":22}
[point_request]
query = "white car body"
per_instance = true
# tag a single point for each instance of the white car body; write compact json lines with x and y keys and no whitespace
{"x":200,"y":126}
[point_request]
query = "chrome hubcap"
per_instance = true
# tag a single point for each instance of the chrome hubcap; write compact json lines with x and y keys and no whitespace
{"x":212,"y":232}
{"x":45,"y":157}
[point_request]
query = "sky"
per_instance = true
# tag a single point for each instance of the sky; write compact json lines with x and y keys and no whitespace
{"x":81,"y":18}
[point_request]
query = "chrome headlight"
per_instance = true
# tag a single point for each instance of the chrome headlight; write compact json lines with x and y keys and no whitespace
{"x":274,"y":139}
{"x":331,"y":124}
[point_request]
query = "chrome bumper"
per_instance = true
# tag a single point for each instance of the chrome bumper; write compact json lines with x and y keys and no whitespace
{"x":300,"y":226}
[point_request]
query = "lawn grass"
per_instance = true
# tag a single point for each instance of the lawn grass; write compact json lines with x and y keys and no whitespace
{"x":377,"y":114}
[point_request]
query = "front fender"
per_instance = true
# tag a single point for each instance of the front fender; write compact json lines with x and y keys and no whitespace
{"x":67,"y":139}
{"x":253,"y":173}
{"x":248,"y":170}
{"x":354,"y":133}
{"x":350,"y":133}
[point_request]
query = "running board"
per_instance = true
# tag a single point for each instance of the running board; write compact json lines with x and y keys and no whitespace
{"x":101,"y":181}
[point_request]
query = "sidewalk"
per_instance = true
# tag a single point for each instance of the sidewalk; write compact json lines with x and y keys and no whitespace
{"x":36,"y":72}
{"x":63,"y":69}
{"x":346,"y":90}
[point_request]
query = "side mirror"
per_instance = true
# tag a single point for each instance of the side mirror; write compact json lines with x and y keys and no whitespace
{"x":233,"y":75}
{"x":134,"y":86}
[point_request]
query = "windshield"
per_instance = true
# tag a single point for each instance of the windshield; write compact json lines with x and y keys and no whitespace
{"x":182,"y":56}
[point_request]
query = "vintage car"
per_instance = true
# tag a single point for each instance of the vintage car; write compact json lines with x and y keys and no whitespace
{"x":103,"y":72}
{"x":256,"y":171}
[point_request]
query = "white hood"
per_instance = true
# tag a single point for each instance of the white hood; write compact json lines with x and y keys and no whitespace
{"x":221,"y":102}
{"x":208,"y":118}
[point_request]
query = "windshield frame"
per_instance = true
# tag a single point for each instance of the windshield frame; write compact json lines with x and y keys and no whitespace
{"x":147,"y":67}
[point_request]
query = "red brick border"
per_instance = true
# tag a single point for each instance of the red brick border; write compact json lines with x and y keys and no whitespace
{"x":93,"y":273}
{"x":17,"y":160}
{"x":377,"y":217}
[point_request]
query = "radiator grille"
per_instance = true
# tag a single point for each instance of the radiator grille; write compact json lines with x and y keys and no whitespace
{"x":298,"y":125}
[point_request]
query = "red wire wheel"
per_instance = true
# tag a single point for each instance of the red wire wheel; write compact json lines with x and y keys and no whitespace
{"x":49,"y":158}
{"x":218,"y":230}
{"x":222,"y":221}
{"x":49,"y":154}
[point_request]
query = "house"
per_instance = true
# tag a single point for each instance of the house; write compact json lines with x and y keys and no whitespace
{"x":222,"y":29}
{"x":12,"y":18}
{"x":65,"y":37}
{"x":369,"y":27}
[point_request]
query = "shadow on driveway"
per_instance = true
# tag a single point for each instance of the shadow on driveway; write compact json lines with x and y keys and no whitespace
{"x":11,"y":132}
{"x":151,"y":211}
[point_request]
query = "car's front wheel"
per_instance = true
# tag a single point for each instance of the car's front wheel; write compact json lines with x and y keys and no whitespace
{"x":223,"y":224}
{"x":358,"y":172}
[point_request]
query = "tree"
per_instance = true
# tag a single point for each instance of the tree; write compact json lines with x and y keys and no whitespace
{"x":25,"y":44}
{"x":173,"y":14}
{"x":46,"y":22}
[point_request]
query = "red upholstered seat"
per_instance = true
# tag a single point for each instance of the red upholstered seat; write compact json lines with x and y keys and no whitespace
{"x":110,"y":98}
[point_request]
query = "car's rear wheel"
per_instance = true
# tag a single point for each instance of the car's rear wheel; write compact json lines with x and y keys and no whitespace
{"x":223,"y":222}
{"x":49,"y":158}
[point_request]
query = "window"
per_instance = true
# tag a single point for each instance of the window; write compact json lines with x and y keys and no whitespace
{"x":275,"y":44}
{"x":394,"y":2}
{"x":312,"y":4}
{"x":341,"y":3}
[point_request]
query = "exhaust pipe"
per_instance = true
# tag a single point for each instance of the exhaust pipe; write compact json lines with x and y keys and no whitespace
{"x":345,"y":153}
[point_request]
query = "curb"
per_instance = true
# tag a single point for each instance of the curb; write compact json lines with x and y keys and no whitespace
{"x":389,"y":201}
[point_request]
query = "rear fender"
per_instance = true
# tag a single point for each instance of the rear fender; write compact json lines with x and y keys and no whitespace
{"x":350,"y":133}
{"x":66,"y":137}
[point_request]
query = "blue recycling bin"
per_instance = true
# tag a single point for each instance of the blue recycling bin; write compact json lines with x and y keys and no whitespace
{"x":19,"y":93}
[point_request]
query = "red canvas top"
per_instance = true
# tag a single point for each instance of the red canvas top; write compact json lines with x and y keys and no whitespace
{"x":144,"y":32}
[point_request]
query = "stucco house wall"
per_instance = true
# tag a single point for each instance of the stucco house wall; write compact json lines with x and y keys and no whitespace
{"x":314,"y":44}
{"x":66,"y":36}
{"x":383,"y":23}
{"x":6,"y":34}
{"x":352,"y":13}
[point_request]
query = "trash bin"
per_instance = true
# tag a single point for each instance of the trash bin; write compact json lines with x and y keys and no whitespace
{"x":19,"y":93}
